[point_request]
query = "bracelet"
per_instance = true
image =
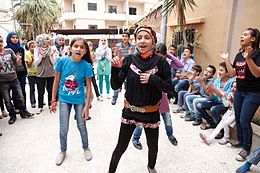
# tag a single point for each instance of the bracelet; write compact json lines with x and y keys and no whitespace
{"x":53,"y":101}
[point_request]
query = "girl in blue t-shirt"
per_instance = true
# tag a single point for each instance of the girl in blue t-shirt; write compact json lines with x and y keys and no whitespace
{"x":71,"y":73}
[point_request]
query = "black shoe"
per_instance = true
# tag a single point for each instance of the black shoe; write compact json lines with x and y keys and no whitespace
{"x":138,"y":145}
{"x":197,"y":122}
{"x":89,"y":118}
{"x":1,"y":134}
{"x":26,"y":114}
{"x":220,"y":134}
{"x":173,"y":140}
{"x":150,"y":170}
{"x":190,"y":118}
{"x":11,"y":120}
{"x":113,"y":102}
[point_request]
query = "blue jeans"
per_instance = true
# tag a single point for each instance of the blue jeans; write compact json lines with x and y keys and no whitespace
{"x":137,"y":133}
{"x":168,"y":127}
{"x":15,"y":87}
{"x":64,"y":114}
{"x":32,"y":83}
{"x":182,"y":99}
{"x":183,"y":84}
{"x":245,"y":105}
{"x":204,"y":105}
{"x":168,"y":123}
{"x":115,"y":96}
{"x":254,"y":157}
{"x":217,"y":111}
{"x":189,"y":101}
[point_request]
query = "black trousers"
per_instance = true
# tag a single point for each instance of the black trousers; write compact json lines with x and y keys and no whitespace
{"x":125,"y":135}
{"x":41,"y":84}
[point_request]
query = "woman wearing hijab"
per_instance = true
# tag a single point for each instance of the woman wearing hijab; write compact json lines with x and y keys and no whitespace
{"x":44,"y":59}
{"x":59,"y":46}
{"x":104,"y":56}
{"x":12,"y":41}
{"x":147,"y":75}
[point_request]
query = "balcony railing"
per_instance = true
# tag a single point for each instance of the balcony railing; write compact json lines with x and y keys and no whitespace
{"x":118,"y":12}
{"x":68,"y":11}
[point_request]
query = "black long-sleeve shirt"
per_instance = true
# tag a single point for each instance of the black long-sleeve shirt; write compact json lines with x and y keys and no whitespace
{"x":142,"y":94}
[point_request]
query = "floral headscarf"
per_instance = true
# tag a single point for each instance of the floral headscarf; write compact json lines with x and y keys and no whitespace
{"x":152,"y":33}
{"x":40,"y":43}
{"x":14,"y":47}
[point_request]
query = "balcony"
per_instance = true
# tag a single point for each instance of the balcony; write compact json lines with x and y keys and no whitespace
{"x":135,"y":17}
{"x":119,"y":16}
{"x":68,"y":14}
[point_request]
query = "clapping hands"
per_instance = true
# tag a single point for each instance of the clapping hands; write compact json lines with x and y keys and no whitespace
{"x":224,"y":56}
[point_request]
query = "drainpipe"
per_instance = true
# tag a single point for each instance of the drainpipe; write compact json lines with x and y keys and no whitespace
{"x":230,"y":26}
{"x":127,"y":13}
{"x":164,"y":21}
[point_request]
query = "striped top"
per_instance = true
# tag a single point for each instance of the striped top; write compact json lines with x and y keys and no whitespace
{"x":125,"y":50}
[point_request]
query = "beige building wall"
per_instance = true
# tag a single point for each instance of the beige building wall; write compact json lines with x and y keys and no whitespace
{"x":113,"y":23}
{"x":139,"y":8}
{"x":83,"y":23}
{"x":120,"y":5}
{"x":220,"y":23}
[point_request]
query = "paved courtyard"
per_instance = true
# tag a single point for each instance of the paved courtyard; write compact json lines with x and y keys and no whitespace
{"x":31,"y":146}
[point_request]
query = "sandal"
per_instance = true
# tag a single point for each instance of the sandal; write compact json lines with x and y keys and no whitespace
{"x":206,"y":126}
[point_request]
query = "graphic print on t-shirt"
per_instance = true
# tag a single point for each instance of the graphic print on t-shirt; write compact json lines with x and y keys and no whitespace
{"x":6,"y":64}
{"x":71,"y":85}
{"x":241,"y":70}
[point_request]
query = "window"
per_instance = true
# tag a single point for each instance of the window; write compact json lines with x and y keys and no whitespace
{"x":92,"y":26}
{"x":112,"y":9}
{"x":92,"y":6}
{"x":132,"y":11}
{"x":112,"y":27}
{"x":73,"y":7}
{"x":178,"y":39}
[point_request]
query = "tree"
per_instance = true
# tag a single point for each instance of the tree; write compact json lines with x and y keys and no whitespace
{"x":37,"y":16}
{"x":180,"y":6}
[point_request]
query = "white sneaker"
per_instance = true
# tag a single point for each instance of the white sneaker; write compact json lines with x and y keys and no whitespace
{"x":224,"y":141}
{"x":108,"y":97}
{"x":88,"y":154}
{"x":99,"y":98}
{"x":39,"y":110}
{"x":60,"y":158}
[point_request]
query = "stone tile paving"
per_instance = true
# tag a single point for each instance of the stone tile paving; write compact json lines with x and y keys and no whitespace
{"x":31,"y":146}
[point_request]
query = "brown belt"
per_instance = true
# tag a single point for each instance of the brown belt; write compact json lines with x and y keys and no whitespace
{"x":141,"y":109}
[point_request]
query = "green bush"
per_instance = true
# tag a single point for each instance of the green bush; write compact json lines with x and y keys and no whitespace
{"x":256,"y":120}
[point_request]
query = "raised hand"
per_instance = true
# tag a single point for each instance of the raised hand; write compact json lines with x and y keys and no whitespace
{"x":18,"y":59}
{"x":117,"y":62}
{"x":199,"y":79}
{"x":224,"y":55}
{"x":248,"y":52}
{"x":115,"y":50}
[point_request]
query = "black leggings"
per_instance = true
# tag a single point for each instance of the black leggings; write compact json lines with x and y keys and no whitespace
{"x":125,"y":134}
{"x":2,"y":103}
